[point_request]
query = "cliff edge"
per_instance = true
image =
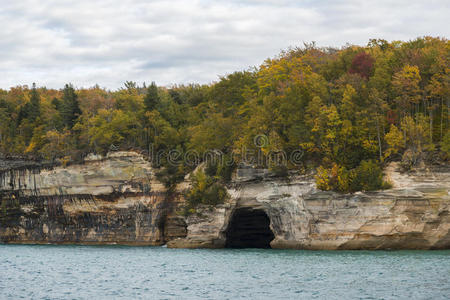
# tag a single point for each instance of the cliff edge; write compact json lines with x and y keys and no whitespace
{"x":117,"y":199}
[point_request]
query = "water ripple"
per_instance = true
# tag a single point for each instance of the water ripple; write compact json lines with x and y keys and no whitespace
{"x":83,"y":272}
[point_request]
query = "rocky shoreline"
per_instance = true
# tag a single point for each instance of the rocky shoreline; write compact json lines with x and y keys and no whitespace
{"x":117,"y":200}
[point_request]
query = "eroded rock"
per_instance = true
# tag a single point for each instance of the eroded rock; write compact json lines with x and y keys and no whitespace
{"x":116,"y":199}
{"x":113,"y":199}
{"x":412,"y":215}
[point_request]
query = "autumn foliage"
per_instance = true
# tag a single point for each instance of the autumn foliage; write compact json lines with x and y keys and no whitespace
{"x":362,"y":64}
{"x":348,"y":110}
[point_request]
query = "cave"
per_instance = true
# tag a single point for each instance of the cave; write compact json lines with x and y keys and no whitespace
{"x":249,"y":228}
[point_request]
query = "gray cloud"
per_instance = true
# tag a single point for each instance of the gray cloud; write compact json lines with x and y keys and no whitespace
{"x":85,"y":42}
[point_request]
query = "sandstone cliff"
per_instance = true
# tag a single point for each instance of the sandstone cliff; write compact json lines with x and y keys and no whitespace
{"x":116,"y":199}
{"x":414,"y":214}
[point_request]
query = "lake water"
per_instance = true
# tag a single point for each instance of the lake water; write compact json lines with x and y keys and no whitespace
{"x":109,"y":272}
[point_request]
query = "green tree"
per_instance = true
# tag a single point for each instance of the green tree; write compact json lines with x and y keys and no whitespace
{"x":406,"y":84}
{"x":109,"y":129}
{"x":34,"y":104}
{"x":395,"y":140}
{"x":205,"y":190}
{"x":151,"y":99}
{"x":56,"y":145}
{"x":70,"y":109}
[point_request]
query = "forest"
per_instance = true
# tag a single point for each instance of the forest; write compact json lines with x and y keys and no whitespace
{"x":349,"y":110}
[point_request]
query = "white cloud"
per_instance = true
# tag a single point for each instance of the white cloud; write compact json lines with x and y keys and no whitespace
{"x":85,"y":42}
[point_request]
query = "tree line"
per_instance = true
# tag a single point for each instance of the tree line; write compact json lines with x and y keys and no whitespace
{"x":351,"y":110}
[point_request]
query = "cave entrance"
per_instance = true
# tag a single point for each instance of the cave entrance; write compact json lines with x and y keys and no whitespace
{"x":249,"y":228}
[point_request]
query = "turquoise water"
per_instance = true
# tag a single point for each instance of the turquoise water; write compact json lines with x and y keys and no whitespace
{"x":109,"y":272}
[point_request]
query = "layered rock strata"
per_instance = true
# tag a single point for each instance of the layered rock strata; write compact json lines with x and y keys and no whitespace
{"x":414,"y":214}
{"x":113,"y":199}
{"x":116,"y":199}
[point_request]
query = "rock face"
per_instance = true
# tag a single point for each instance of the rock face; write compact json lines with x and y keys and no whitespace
{"x":116,"y":199}
{"x":105,"y":200}
{"x":412,"y":215}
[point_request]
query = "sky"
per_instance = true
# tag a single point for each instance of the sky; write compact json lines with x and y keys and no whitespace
{"x":107,"y":42}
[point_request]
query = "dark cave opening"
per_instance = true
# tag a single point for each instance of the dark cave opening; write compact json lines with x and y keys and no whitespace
{"x":249,"y":228}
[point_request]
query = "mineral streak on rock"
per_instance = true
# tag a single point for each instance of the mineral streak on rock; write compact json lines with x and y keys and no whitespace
{"x":113,"y":199}
{"x":116,"y":199}
{"x":414,"y":214}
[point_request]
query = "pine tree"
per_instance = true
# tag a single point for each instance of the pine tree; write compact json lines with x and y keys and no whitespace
{"x":34,"y":110}
{"x":152,"y":97}
{"x":70,"y":109}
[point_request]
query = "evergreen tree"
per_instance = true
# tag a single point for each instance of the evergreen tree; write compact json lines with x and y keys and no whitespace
{"x":31,"y":110}
{"x":34,"y":106}
{"x":152,"y":97}
{"x":70,"y":109}
{"x":56,"y":104}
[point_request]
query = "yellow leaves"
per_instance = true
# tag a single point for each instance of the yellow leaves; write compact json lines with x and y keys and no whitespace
{"x":278,"y":75}
{"x":436,"y":87}
{"x":201,"y":180}
{"x":331,"y":134}
{"x":110,"y":127}
{"x":394,"y":139}
{"x":316,"y":127}
{"x":414,"y":135}
{"x":57,"y":144}
{"x":205,"y":190}
{"x":410,"y":73}
{"x":322,"y":179}
{"x":417,"y":132}
{"x":313,"y":111}
{"x":309,"y":146}
{"x":349,"y":93}
{"x":333,"y":116}
{"x":370,"y":146}
{"x":347,"y":128}
{"x":37,"y":141}
{"x":348,"y":107}
{"x":406,"y":84}
{"x":31,"y":147}
{"x":336,"y":178}
{"x":275,"y":143}
{"x":367,"y":176}
{"x":333,"y":122}
{"x":317,"y":85}
{"x":65,"y":160}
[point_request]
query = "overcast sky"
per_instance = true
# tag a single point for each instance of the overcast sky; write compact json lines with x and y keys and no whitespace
{"x":87,"y":42}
